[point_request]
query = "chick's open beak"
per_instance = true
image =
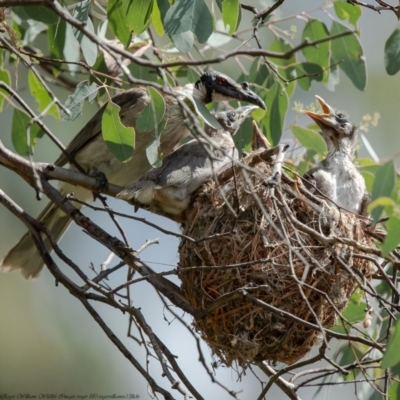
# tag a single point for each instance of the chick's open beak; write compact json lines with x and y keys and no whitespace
{"x":244,"y":112}
{"x":324,"y":119}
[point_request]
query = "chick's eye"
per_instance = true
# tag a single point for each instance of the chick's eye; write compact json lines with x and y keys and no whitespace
{"x":341,"y":119}
{"x":245,"y":85}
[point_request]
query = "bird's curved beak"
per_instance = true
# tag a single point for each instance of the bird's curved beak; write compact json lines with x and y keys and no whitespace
{"x":324,"y":119}
{"x":239,"y":92}
{"x":245,"y":94}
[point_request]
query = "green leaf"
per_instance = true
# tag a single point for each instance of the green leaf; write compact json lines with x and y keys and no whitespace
{"x":392,"y":52}
{"x":19,"y":133}
{"x":142,"y":72}
{"x":152,"y":114}
{"x":185,"y":18}
{"x":4,"y":77}
{"x":281,"y":46}
{"x":354,"y":312}
{"x":37,"y":13}
{"x":157,"y":20}
{"x":230,"y":14}
{"x":348,"y":52}
{"x":75,"y":101}
{"x":309,"y":139}
{"x":89,"y":49}
{"x":141,"y":18}
{"x":347,"y":11}
{"x":200,"y":109}
{"x":119,"y":13}
{"x":381,"y":202}
{"x":319,"y":54}
{"x":394,"y":390}
{"x":277,"y":104}
{"x":153,"y":155}
{"x":42,"y":96}
{"x":163,"y":6}
{"x":56,"y":38}
{"x":392,"y":354}
{"x":305,"y":73}
{"x":183,"y":41}
{"x":152,"y":150}
{"x":393,"y":235}
{"x":120,"y":139}
{"x":383,"y":186}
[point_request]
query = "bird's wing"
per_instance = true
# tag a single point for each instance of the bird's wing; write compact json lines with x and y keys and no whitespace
{"x":178,"y":167}
{"x":131,"y":102}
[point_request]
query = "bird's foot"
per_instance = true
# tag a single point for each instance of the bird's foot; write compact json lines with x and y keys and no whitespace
{"x":102,"y":181}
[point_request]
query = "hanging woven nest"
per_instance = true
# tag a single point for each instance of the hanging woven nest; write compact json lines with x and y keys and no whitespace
{"x":281,"y":238}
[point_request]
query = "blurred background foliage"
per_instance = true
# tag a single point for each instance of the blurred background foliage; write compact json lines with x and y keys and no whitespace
{"x":48,"y":343}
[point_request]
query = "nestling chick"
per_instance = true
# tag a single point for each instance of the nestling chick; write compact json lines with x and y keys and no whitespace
{"x":169,"y":187}
{"x":336,"y":176}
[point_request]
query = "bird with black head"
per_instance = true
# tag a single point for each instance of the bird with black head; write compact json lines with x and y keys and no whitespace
{"x":90,"y":151}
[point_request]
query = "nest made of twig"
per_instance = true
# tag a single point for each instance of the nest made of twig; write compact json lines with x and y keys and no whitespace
{"x":272,"y":232}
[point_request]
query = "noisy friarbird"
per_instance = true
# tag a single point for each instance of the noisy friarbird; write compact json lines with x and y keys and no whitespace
{"x":168,"y":189}
{"x":336,"y":176}
{"x":91,"y":152}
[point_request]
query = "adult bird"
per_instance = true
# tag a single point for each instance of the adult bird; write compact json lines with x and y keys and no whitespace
{"x":167,"y":190}
{"x":336,"y":176}
{"x":91,"y":152}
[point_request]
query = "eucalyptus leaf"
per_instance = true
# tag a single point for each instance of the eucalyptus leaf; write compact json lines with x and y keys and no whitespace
{"x":75,"y":101}
{"x":392,"y":239}
{"x":305,"y":73}
{"x":391,"y":356}
{"x":5,"y":78}
{"x":37,"y":13}
{"x":157,"y":19}
{"x":348,"y":52}
{"x":347,"y":11}
{"x":309,"y":139}
{"x":152,"y":114}
{"x":19,"y":133}
{"x":188,"y":16}
{"x":230,"y":14}
{"x":42,"y":96}
{"x":200,"y":109}
{"x":319,"y":54}
{"x":277,"y":104}
{"x":141,"y":18}
{"x":392,"y":52}
{"x":120,"y":139}
{"x":119,"y":14}
{"x":56,"y":38}
{"x":282,"y":46}
{"x":89,"y":49}
{"x":183,"y":41}
{"x":383,"y":186}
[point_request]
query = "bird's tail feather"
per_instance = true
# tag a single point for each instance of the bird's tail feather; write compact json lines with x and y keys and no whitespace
{"x":24,"y":254}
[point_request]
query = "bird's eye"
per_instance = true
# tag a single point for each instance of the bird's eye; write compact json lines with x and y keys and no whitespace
{"x":232,"y":114}
{"x":245,"y":85}
{"x":341,"y":118}
{"x":222,"y":82}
